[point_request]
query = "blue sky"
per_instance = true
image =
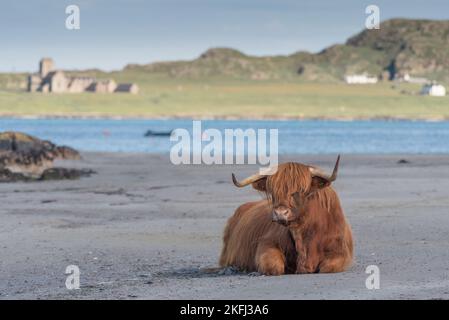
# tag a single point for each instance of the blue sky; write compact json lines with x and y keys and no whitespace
{"x":116,"y":32}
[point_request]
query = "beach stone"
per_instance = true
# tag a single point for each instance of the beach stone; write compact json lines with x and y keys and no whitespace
{"x":65,"y":174}
{"x":7,"y":176}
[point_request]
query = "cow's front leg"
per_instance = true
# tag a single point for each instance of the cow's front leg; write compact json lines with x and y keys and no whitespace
{"x":335,"y":264}
{"x":270,"y":260}
{"x":307,"y":266}
{"x":307,"y":260}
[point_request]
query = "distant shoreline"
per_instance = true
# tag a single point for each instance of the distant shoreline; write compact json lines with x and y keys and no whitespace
{"x":230,"y":117}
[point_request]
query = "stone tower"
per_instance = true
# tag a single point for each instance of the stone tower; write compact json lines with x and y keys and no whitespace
{"x":45,"y":66}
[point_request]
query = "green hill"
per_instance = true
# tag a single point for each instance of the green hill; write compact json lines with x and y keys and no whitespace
{"x":417,"y":47}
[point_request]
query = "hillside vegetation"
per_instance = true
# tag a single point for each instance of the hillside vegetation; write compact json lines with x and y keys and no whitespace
{"x":417,"y":47}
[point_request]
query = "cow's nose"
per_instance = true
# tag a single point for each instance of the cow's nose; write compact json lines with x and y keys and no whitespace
{"x":281,"y":211}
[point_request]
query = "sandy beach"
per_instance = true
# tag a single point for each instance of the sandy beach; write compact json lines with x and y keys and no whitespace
{"x":142,"y":228}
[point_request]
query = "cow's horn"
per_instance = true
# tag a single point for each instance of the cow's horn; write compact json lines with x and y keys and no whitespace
{"x":318,"y":173}
{"x":246,"y":181}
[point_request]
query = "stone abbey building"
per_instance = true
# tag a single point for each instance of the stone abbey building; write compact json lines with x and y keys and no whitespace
{"x":55,"y":81}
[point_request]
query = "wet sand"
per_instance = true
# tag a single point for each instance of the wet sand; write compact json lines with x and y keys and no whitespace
{"x":143,"y":228}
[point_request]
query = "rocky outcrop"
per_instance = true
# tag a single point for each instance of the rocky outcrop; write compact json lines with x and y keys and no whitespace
{"x":23,"y":143}
{"x":66,"y":153}
{"x":24,"y":158}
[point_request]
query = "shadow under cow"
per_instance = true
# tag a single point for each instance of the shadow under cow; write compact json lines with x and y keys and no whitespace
{"x":185,"y":273}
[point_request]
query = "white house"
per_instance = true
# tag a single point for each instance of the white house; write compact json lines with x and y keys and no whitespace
{"x":436,"y":90}
{"x":360,"y":79}
{"x":408,"y":78}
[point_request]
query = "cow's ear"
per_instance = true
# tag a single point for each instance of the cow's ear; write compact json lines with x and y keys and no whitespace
{"x":260,"y":185}
{"x":318,"y":183}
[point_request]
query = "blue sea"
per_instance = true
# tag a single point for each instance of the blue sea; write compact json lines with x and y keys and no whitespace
{"x":295,"y":137}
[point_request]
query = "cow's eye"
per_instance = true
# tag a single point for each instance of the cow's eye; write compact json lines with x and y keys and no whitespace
{"x":295,"y":198}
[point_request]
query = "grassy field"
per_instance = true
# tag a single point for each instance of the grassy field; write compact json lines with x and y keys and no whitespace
{"x":218,"y":98}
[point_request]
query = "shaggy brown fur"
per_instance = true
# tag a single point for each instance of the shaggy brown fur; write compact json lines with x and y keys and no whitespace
{"x":314,"y":235}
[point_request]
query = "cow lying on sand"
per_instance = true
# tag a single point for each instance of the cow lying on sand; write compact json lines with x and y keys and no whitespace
{"x":299,"y":228}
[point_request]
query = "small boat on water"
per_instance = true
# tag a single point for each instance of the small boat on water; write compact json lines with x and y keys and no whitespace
{"x":152,"y":133}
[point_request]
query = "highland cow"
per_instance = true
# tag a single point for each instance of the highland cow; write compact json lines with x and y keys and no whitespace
{"x":299,"y":228}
